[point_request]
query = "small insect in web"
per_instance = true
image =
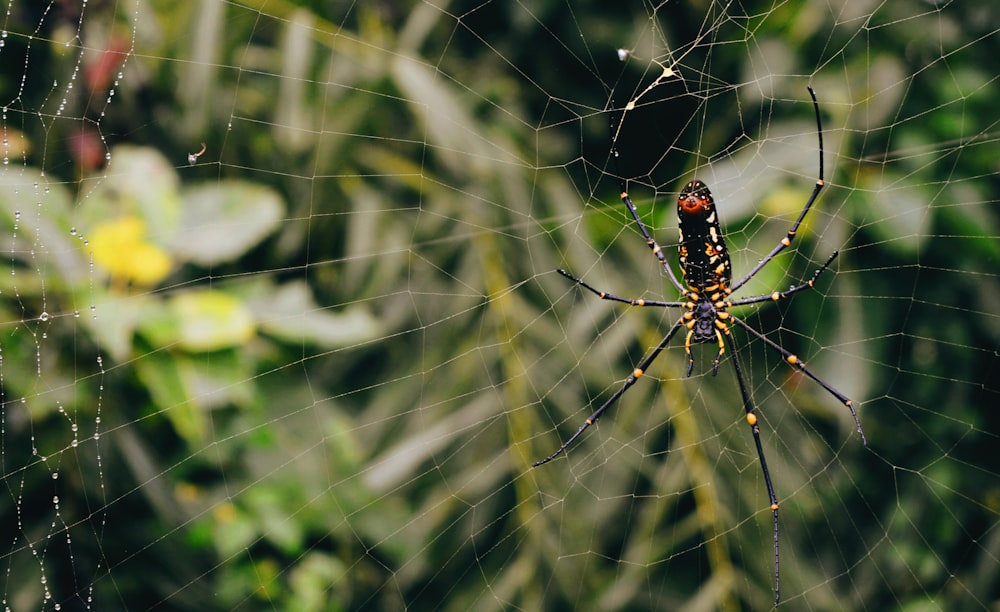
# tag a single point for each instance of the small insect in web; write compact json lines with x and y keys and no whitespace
{"x":706,"y":269}
{"x":193,"y":157}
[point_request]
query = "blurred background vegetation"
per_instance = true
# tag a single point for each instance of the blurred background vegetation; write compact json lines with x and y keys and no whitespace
{"x":309,"y":368}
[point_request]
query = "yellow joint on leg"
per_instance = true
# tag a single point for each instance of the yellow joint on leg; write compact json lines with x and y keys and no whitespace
{"x":786,"y":241}
{"x":775,"y":296}
{"x":589,"y":422}
{"x":751,"y":419}
{"x":792,"y":359}
{"x":774,"y":507}
{"x":637,"y":373}
{"x":640,"y":302}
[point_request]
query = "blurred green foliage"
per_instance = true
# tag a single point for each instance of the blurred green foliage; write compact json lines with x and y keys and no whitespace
{"x":320,"y":379}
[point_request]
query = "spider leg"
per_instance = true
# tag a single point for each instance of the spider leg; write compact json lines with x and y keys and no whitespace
{"x":755,"y":430}
{"x":634,"y":376}
{"x":787,"y":240}
{"x":780,"y":295}
{"x":687,"y":351}
{"x":614,"y":298}
{"x":795,"y":361}
{"x":718,"y":356}
{"x":722,"y":349}
{"x":657,"y":250}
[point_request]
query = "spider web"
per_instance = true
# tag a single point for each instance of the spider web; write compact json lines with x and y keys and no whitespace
{"x":282,"y":326}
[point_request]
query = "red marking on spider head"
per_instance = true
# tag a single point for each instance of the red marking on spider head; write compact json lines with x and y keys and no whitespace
{"x":695,"y":199}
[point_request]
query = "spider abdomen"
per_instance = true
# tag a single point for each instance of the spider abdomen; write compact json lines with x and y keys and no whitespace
{"x":704,"y":258}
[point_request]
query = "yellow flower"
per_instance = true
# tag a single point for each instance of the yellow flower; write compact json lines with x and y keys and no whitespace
{"x":120,"y":246}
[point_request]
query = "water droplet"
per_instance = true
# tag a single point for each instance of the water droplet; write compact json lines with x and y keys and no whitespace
{"x":43,"y":317}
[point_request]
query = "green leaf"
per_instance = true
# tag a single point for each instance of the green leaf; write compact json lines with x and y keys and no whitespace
{"x":223,"y":379}
{"x":161,"y":375}
{"x":40,"y":209}
{"x":116,"y":318}
{"x":222,"y":220}
{"x":314,"y":579}
{"x":271,"y":507}
{"x":290,"y":314}
{"x":234,"y":529}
